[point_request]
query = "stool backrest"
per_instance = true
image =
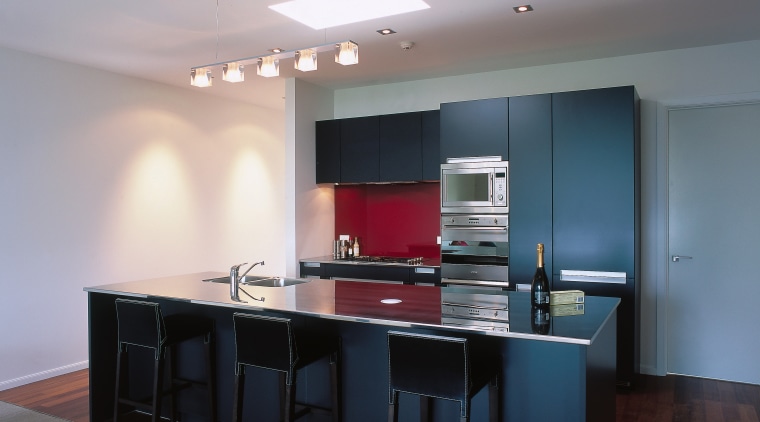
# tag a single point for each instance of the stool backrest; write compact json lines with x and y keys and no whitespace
{"x":430,"y":365}
{"x":265,"y":342}
{"x":140,"y":323}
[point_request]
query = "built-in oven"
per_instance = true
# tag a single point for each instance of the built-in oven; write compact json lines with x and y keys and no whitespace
{"x":475,"y":185}
{"x":475,"y":250}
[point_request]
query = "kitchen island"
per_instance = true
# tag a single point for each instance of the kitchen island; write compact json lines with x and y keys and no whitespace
{"x":566,"y":374}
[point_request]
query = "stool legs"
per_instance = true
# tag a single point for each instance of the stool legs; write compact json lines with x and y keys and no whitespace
{"x":237,"y":395}
{"x":209,"y":345}
{"x":335,"y":391}
{"x":121,"y":378}
{"x":494,"y":410}
{"x":393,"y":407}
{"x":157,"y":389}
{"x":425,"y":409}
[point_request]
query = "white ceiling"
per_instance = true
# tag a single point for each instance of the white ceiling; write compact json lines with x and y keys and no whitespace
{"x":160,"y":40}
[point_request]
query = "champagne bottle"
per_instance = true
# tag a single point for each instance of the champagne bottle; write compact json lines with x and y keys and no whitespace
{"x":539,"y":287}
{"x":540,"y":320}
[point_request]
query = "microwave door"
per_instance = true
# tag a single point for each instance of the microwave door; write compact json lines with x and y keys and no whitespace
{"x":467,"y":188}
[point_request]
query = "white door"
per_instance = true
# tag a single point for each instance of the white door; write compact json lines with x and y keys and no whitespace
{"x":713,"y":304}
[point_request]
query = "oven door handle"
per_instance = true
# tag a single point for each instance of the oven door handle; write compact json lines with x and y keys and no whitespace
{"x":470,"y":228}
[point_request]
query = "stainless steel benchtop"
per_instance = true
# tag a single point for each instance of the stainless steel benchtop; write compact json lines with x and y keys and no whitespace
{"x":412,"y":306}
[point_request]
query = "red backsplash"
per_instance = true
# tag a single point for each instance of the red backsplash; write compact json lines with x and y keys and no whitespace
{"x":391,"y":220}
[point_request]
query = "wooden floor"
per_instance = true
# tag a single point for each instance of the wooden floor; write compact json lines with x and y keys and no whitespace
{"x":655,"y":399}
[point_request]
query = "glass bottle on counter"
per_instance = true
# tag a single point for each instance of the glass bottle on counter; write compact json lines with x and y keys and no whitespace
{"x":356,"y":247}
{"x":539,"y":287}
{"x":350,"y":249}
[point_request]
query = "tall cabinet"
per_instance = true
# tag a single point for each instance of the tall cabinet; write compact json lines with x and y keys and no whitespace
{"x":530,"y":185}
{"x":595,"y":205}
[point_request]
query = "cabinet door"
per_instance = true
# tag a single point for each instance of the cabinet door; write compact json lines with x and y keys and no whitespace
{"x":475,"y":128}
{"x":328,"y":151}
{"x":431,"y":145}
{"x":401,"y":147}
{"x":530,"y":185}
{"x":359,"y":149}
{"x":594,"y":195}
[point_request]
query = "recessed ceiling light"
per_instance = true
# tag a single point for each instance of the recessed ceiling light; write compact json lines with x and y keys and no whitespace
{"x":330,"y":13}
{"x":386,"y":31}
{"x":523,"y":8}
{"x":276,"y":50}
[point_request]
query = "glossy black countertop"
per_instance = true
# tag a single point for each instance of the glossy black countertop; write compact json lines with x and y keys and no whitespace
{"x":412,"y":306}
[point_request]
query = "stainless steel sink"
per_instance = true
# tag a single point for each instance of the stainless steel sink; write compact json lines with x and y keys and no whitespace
{"x":277,"y":282}
{"x":261,"y":281}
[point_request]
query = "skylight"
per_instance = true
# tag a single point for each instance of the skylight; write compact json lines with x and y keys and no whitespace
{"x":320,"y":14}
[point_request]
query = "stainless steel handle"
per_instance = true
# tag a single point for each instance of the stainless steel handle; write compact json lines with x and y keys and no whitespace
{"x":677,"y":258}
{"x":490,"y":188}
{"x":474,"y":228}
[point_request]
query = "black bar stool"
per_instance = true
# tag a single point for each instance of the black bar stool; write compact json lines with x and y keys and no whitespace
{"x":273,"y":343}
{"x":433,"y":366}
{"x":142,"y":324}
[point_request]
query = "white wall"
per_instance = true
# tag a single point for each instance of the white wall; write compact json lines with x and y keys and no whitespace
{"x":311,"y":207}
{"x":105,"y":178}
{"x":659,"y":77}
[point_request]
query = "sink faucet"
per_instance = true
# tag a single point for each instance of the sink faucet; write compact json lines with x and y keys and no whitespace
{"x":235,"y":279}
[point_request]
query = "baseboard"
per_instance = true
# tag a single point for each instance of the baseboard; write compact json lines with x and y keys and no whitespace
{"x":648,"y":370}
{"x":39,"y":376}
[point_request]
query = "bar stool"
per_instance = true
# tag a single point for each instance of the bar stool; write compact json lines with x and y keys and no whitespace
{"x":275,"y":344}
{"x":432,"y":366}
{"x":142,"y":324}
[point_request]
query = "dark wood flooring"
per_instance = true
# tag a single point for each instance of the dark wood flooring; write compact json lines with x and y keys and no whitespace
{"x":655,"y":399}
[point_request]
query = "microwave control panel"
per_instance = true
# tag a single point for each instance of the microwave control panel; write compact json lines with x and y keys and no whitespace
{"x":500,"y":187}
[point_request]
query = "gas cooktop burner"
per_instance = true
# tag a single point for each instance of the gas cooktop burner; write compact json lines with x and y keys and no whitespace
{"x":387,"y":260}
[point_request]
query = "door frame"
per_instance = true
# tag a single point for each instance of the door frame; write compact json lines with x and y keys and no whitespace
{"x":662,"y":208}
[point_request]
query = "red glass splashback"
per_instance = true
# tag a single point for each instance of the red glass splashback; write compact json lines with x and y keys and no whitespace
{"x":393,"y":220}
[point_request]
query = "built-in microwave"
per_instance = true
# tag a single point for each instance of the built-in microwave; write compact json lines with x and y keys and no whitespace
{"x":475,"y":185}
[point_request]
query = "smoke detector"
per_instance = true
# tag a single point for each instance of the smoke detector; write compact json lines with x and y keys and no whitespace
{"x":406,"y":45}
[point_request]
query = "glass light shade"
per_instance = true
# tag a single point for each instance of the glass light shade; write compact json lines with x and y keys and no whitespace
{"x":200,"y":77}
{"x":233,"y":72}
{"x":306,"y":60}
{"x":347,"y":53}
{"x":268,"y":67}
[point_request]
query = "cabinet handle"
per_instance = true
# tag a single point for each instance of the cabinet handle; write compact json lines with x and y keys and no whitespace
{"x":677,"y":258}
{"x":311,"y":264}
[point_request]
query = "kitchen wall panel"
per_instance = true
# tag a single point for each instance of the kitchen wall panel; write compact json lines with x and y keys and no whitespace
{"x":398,"y":220}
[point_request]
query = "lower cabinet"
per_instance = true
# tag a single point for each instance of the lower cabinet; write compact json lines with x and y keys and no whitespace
{"x":372,"y":273}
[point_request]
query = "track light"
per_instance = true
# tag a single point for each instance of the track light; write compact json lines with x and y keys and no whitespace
{"x":200,"y":77}
{"x":233,"y":72}
{"x":305,"y":60}
{"x":347,"y":53}
{"x":268,"y":67}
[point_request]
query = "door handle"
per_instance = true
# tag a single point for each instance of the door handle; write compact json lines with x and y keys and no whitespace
{"x":677,"y":258}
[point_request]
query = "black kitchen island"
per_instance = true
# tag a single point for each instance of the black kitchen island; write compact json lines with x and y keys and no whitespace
{"x":566,"y":374}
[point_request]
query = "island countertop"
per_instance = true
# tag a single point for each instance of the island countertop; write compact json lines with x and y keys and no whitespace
{"x":419,"y":306}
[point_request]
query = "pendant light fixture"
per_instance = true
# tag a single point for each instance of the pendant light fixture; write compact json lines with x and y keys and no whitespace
{"x":347,"y":53}
{"x":233,"y":72}
{"x":306,"y":60}
{"x":200,"y":77}
{"x":268,"y":65}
